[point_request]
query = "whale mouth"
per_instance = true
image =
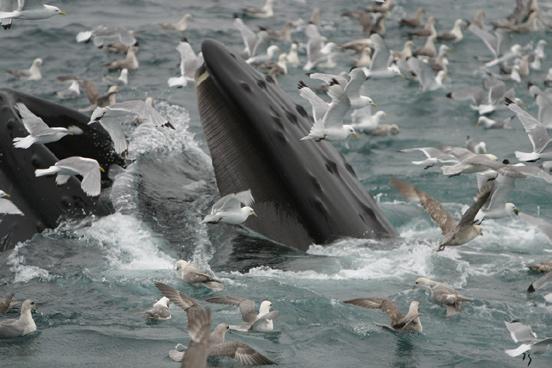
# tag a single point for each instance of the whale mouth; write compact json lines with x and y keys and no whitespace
{"x":305,"y":192}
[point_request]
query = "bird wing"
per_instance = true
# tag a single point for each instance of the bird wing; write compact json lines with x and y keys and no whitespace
{"x":175,"y":296}
{"x":247,"y":306}
{"x":445,"y":221}
{"x":188,"y":59}
{"x":338,"y":108}
{"x":490,"y":40}
{"x":380,"y":59}
{"x":538,"y":135}
{"x":233,"y":201}
{"x":8,"y":207}
{"x":520,"y":333}
{"x":533,"y":171}
{"x":385,"y":305}
{"x":34,"y":124}
{"x":327,"y":78}
{"x":471,"y":212}
{"x":356,"y":80}
{"x":314,"y":47}
{"x":199,"y":326}
{"x":423,"y":71}
{"x":90,"y":90}
{"x":89,"y":169}
{"x":501,"y":188}
{"x":319,"y":106}
{"x":248,"y":36}
{"x":239,"y":351}
{"x":540,"y":282}
{"x":113,"y":127}
{"x":543,"y":225}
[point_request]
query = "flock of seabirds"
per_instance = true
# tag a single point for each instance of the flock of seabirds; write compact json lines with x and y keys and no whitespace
{"x":501,"y":68}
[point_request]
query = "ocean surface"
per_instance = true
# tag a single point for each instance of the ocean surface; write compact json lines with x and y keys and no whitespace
{"x":94,"y":278}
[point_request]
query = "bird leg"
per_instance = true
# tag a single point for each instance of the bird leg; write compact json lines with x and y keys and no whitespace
{"x":530,"y":359}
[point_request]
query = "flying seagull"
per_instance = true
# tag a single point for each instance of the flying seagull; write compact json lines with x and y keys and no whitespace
{"x":455,"y":233}
{"x":228,"y":209}
{"x":39,"y":131}
{"x":88,"y":168}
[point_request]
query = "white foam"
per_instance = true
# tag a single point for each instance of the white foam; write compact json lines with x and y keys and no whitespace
{"x":22,"y":272}
{"x":129,"y":243}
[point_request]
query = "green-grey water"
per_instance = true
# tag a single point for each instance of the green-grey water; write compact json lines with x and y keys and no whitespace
{"x":94,"y":278}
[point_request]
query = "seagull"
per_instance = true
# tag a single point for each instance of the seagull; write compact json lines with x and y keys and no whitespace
{"x":7,"y":207}
{"x":540,"y":283}
{"x":318,"y":105}
{"x":217,"y":346}
{"x":330,"y":127}
{"x":191,"y":274}
{"x":22,"y":326}
{"x":489,"y":123}
{"x":538,"y":135}
{"x":130,"y":62}
{"x":31,"y":74}
{"x":159,"y":311}
{"x":228,"y":209}
{"x":455,"y":34}
{"x":199,"y":329}
{"x":73,"y":91}
{"x":88,"y":168}
{"x":180,"y":26}
{"x":351,"y":82}
{"x":6,"y":303}
{"x":409,"y":322}
{"x":414,"y":21}
{"x":429,"y":81}
{"x":381,"y":66}
{"x":514,"y":52}
{"x":292,"y":57}
{"x":443,"y":294}
{"x":496,"y":206}
{"x":189,"y":63}
{"x":39,"y":131}
{"x":434,"y":156}
{"x":543,"y":225}
{"x":530,"y":343}
{"x":265,"y":12}
{"x":261,"y":321}
{"x":455,"y":234}
{"x":251,"y":40}
{"x":25,"y":9}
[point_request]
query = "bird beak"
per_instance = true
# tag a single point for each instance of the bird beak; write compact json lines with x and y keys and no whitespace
{"x":7,"y":195}
{"x":62,"y":13}
{"x":254,"y":214}
{"x":516,"y":211}
{"x":102,"y":169}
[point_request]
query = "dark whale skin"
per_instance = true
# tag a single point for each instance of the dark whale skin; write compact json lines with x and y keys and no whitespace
{"x":42,"y":201}
{"x":305,"y":192}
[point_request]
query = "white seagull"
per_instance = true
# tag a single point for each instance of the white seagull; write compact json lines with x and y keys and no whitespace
{"x":26,"y":9}
{"x":228,"y":209}
{"x":88,"y":168}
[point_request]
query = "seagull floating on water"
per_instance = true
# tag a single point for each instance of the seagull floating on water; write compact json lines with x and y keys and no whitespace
{"x":31,"y":74}
{"x":261,"y":321}
{"x":409,"y":322}
{"x":191,"y":274}
{"x":443,"y":294}
{"x":22,"y":326}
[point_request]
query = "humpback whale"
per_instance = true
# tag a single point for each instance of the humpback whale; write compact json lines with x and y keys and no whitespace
{"x":42,"y":201}
{"x":305,"y":192}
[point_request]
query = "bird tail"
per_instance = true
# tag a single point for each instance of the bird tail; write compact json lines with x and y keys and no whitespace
{"x":210,"y":219}
{"x":306,"y":138}
{"x":523,"y":348}
{"x":527,"y":157}
{"x":43,"y":172}
{"x":23,"y":142}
